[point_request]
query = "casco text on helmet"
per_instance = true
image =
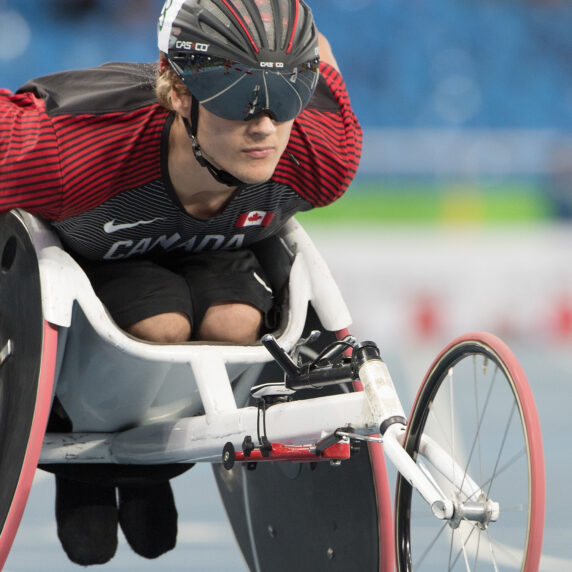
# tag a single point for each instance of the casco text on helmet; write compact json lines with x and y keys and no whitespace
{"x":242,"y":57}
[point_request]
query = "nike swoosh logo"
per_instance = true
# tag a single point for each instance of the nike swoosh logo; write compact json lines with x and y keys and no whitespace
{"x":110,"y":227}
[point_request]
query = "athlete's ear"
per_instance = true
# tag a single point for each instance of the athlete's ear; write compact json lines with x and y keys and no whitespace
{"x":181,"y":103}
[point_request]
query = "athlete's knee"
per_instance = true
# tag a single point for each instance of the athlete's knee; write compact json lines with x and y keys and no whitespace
{"x":231,"y":322}
{"x":169,"y":328}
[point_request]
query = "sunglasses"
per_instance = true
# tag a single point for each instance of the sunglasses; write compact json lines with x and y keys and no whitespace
{"x":235,"y":91}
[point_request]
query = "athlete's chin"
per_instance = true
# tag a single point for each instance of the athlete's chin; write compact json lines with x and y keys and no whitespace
{"x":249,"y":180}
{"x":255,"y":174}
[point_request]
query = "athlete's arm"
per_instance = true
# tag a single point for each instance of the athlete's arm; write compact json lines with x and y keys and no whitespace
{"x":323,"y":154}
{"x":30,"y":176}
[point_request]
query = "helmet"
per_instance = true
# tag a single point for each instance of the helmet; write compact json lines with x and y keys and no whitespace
{"x":239,"y":58}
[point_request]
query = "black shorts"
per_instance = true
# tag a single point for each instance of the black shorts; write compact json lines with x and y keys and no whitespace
{"x":133,"y":290}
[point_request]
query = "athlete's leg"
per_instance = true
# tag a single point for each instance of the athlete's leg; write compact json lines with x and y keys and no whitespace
{"x":168,"y":328}
{"x":223,"y":322}
{"x":210,"y":296}
{"x":231,"y":322}
{"x":230,"y":296}
{"x":152,"y":303}
{"x":148,"y":518}
{"x":86,"y":516}
{"x":147,"y":300}
{"x":226,"y":294}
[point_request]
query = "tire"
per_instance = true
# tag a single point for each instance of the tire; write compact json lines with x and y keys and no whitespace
{"x":26,"y":374}
{"x":476,"y":387}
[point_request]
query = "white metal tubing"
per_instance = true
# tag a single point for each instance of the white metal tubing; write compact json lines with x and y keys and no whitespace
{"x":63,"y":282}
{"x":213,"y":383}
{"x":384,"y":403}
{"x":326,"y":297}
{"x":196,"y":439}
{"x":449,"y":468}
{"x":380,"y":391}
{"x":70,"y":447}
{"x":441,"y":507}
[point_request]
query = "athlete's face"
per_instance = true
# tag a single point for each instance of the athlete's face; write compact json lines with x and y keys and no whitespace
{"x":249,"y":150}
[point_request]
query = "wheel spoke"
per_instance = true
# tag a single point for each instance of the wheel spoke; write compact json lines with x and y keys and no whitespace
{"x":451,"y":419}
{"x":475,"y":404}
{"x":493,"y":557}
{"x":462,"y":549}
{"x":464,"y":552}
{"x":431,"y":544}
{"x":505,"y":555}
{"x":477,"y":552}
{"x":451,"y":542}
{"x":501,"y":448}
{"x":476,"y":440}
{"x":500,"y":470}
{"x":478,"y":415}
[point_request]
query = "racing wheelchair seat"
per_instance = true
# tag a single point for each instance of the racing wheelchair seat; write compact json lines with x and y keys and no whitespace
{"x":132,"y":403}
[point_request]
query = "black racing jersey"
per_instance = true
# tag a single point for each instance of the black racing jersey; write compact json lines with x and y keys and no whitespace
{"x":88,"y":151}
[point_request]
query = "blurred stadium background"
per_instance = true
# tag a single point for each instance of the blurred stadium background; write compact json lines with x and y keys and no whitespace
{"x":458,"y":220}
{"x":468,"y":101}
{"x":466,"y":107}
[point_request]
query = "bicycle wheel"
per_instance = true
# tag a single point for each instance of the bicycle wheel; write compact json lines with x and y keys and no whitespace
{"x":476,"y":404}
{"x":28,"y":347}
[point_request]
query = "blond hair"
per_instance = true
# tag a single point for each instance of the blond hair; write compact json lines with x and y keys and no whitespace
{"x":167,"y":82}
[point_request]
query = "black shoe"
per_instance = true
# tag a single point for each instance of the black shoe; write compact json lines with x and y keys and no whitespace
{"x":148,"y":518}
{"x":87,"y":518}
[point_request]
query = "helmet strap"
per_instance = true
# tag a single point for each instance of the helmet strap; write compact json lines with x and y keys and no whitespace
{"x":219,"y":175}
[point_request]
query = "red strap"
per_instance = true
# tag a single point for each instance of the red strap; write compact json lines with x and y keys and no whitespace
{"x":242,"y":24}
{"x":291,"y":42}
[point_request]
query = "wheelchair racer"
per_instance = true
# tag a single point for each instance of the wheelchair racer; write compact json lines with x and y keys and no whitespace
{"x":161,"y":179}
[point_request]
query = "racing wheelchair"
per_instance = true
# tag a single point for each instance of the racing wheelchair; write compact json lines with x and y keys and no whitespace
{"x":297,"y":427}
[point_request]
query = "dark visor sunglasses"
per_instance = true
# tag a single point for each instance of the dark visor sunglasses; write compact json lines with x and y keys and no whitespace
{"x":232,"y":90}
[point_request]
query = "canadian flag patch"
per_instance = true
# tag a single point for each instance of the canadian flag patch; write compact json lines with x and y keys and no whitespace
{"x":254,"y":218}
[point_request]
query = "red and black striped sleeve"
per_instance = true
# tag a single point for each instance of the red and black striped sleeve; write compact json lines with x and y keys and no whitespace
{"x":105,"y":154}
{"x":324,"y":150}
{"x":58,"y":165}
{"x":30,"y":171}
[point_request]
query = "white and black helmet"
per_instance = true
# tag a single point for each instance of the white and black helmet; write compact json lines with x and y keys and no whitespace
{"x":240,"y":58}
